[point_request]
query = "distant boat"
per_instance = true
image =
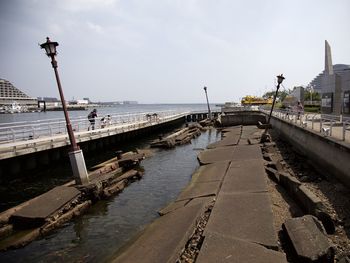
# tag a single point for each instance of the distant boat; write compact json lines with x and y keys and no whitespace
{"x":14,"y":108}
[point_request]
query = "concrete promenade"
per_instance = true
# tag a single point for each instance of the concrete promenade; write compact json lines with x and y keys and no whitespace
{"x":223,"y":215}
{"x":18,"y":148}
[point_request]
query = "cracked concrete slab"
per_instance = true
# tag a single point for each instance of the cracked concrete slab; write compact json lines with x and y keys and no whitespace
{"x":221,"y":248}
{"x":227,"y":141}
{"x":163,"y":240}
{"x":212,"y":172}
{"x":199,"y":189}
{"x":246,"y":216}
{"x":216,"y":155}
{"x":172,"y":207}
{"x":246,"y":152}
{"x":188,"y":202}
{"x":245,"y":176}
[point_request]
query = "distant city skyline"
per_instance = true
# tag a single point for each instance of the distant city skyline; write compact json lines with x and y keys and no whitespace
{"x":167,"y":51}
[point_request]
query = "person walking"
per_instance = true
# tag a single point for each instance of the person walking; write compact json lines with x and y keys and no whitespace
{"x":300,"y":109}
{"x":91,"y":117}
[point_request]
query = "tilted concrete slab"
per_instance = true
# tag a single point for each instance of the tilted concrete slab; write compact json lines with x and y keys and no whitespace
{"x":247,"y":152}
{"x":199,"y":189}
{"x":227,"y":141}
{"x":250,"y":131}
{"x":245,"y":176}
{"x":246,"y":216}
{"x":212,"y":172}
{"x":221,"y":248}
{"x":216,"y":155}
{"x":188,"y":202}
{"x":44,"y":206}
{"x":232,"y":129}
{"x":172,"y":207}
{"x":163,"y":240}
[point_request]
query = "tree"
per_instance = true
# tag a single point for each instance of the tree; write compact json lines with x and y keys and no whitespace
{"x":310,"y":95}
{"x":280,"y":95}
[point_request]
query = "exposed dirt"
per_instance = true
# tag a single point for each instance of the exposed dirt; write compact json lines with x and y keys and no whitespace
{"x":194,"y":244}
{"x":334,"y":195}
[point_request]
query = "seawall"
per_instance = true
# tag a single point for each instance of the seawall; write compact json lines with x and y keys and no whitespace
{"x":328,"y":156}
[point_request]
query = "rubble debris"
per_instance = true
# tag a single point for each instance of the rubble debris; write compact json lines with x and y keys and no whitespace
{"x":309,"y":240}
{"x":35,"y":218}
{"x":182,"y":136}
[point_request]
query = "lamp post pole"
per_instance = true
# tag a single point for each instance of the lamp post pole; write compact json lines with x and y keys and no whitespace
{"x":280,"y":78}
{"x":65,"y":111}
{"x":265,"y":137}
{"x":206,"y":95}
{"x":76,"y":154}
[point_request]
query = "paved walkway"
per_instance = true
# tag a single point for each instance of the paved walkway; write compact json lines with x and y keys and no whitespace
{"x":240,"y":227}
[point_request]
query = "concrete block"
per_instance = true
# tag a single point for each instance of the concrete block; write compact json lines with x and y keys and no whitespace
{"x":314,"y":206}
{"x":290,"y":183}
{"x":273,"y":174}
{"x":308,"y":239}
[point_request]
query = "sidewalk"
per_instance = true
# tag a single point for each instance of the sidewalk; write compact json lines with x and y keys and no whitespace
{"x":230,"y":188}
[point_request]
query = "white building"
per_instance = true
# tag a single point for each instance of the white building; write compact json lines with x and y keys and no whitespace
{"x":10,"y":94}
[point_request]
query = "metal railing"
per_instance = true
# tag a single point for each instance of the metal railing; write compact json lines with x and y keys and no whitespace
{"x":328,"y":125}
{"x":29,"y":130}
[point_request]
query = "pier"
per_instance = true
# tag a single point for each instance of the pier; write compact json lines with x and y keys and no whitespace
{"x":27,"y":145}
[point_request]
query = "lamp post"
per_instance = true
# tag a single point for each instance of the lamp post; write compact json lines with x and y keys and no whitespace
{"x":206,"y":95}
{"x":265,"y":137}
{"x":76,"y":154}
{"x":280,"y":79}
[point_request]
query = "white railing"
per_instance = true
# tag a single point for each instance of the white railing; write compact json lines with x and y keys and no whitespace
{"x":24,"y":131}
{"x":328,"y":125}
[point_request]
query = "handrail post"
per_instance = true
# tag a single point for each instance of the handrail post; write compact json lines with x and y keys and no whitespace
{"x":13,"y":135}
{"x":330,"y":131}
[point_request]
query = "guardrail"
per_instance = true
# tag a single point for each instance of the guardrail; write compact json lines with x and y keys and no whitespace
{"x":24,"y":131}
{"x":12,"y":149}
{"x":328,"y":125}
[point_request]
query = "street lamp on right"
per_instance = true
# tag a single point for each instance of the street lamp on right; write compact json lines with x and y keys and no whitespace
{"x":264,"y":136}
{"x":280,"y":79}
{"x":206,"y":95}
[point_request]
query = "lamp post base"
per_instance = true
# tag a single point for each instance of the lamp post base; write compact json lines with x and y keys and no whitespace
{"x":78,"y":166}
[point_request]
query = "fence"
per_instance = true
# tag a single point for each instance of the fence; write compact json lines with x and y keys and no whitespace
{"x":328,"y":125}
{"x":23,"y":131}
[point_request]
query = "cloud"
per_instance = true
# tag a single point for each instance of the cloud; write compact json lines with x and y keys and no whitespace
{"x":85,"y":5}
{"x":94,"y":27}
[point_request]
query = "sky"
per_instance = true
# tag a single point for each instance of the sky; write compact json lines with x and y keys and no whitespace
{"x":166,"y":51}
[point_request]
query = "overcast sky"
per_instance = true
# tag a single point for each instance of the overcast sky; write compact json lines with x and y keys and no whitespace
{"x":166,"y":51}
